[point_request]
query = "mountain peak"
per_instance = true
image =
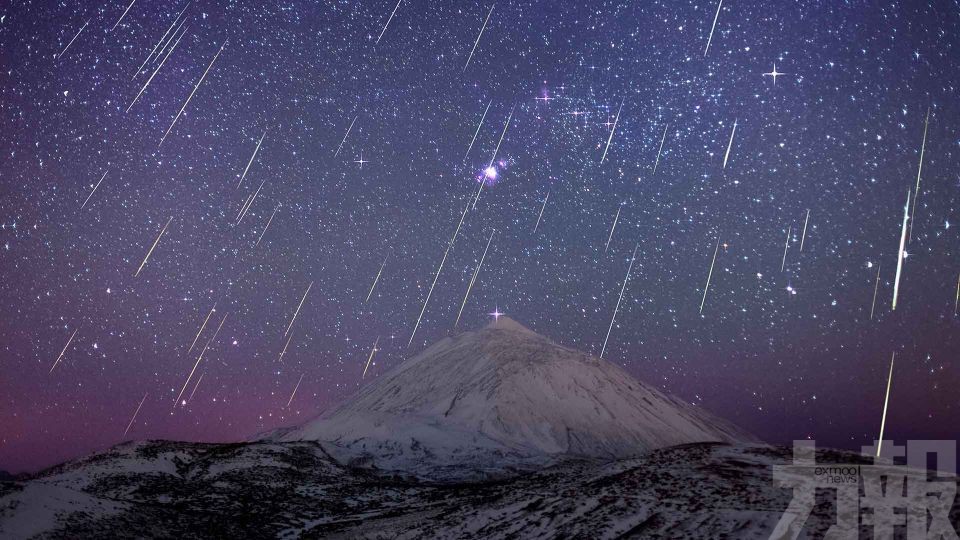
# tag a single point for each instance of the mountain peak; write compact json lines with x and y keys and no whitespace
{"x":506,"y":397}
{"x":506,"y":323}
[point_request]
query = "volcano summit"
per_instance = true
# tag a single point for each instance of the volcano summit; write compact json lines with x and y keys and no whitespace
{"x":504,"y":397}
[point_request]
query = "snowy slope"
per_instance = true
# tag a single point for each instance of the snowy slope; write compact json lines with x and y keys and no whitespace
{"x":295,"y":490}
{"x":161,"y":485}
{"x":506,"y":396}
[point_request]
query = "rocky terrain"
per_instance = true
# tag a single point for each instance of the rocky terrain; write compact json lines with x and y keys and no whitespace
{"x":164,"y":489}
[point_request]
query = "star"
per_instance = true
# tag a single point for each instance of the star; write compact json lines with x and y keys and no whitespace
{"x":496,"y":314}
{"x":774,"y":74}
{"x":360,"y":160}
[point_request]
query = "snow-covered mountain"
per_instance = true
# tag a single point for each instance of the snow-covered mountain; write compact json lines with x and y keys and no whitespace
{"x":504,"y":397}
{"x":605,"y":456}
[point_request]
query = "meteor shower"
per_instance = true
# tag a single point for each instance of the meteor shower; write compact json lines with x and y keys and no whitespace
{"x":496,"y":269}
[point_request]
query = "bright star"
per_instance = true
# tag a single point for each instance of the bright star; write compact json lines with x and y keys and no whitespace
{"x":774,"y":74}
{"x":360,"y":160}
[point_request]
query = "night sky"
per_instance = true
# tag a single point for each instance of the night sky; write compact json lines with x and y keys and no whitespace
{"x":787,"y":354}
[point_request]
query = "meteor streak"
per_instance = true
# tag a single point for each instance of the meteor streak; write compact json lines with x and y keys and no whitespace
{"x":622,"y":289}
{"x":956,"y":302}
{"x":289,"y":401}
{"x":64,"y":351}
{"x":733,"y":132}
{"x":167,"y":42}
{"x":246,"y":207}
{"x":457,"y":231}
{"x":369,"y":358}
{"x":710,"y":38}
{"x":660,"y":151}
{"x":710,"y":274}
{"x":612,"y":130}
{"x":302,"y":300}
{"x":484,"y":27}
{"x":174,"y":23}
{"x":376,"y":279}
{"x":242,"y":208}
{"x":347,"y":134}
{"x":886,"y":401}
{"x":613,"y":228}
{"x":539,"y":217}
{"x":118,"y":22}
{"x":388,"y":20}
{"x":155,"y":242}
{"x":197,"y":86}
{"x":477,"y":131}
{"x":903,"y":241}
{"x":169,"y":39}
{"x":267,"y":226}
{"x":876,"y":287}
{"x":504,"y":132}
{"x":786,"y":246}
{"x":494,"y":157}
{"x":195,"y":386}
{"x":284,"y":351}
{"x":804,"y":236}
{"x":254,"y":156}
{"x":435,"y":277}
{"x":199,"y":358}
{"x":94,"y":189}
{"x":473,"y":279}
{"x":135,"y":415}
{"x":202,"y":326}
{"x":152,"y":75}
{"x":916,"y":192}
{"x":72,"y":40}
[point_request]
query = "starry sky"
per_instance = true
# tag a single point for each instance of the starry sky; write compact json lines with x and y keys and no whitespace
{"x":369,"y":138}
